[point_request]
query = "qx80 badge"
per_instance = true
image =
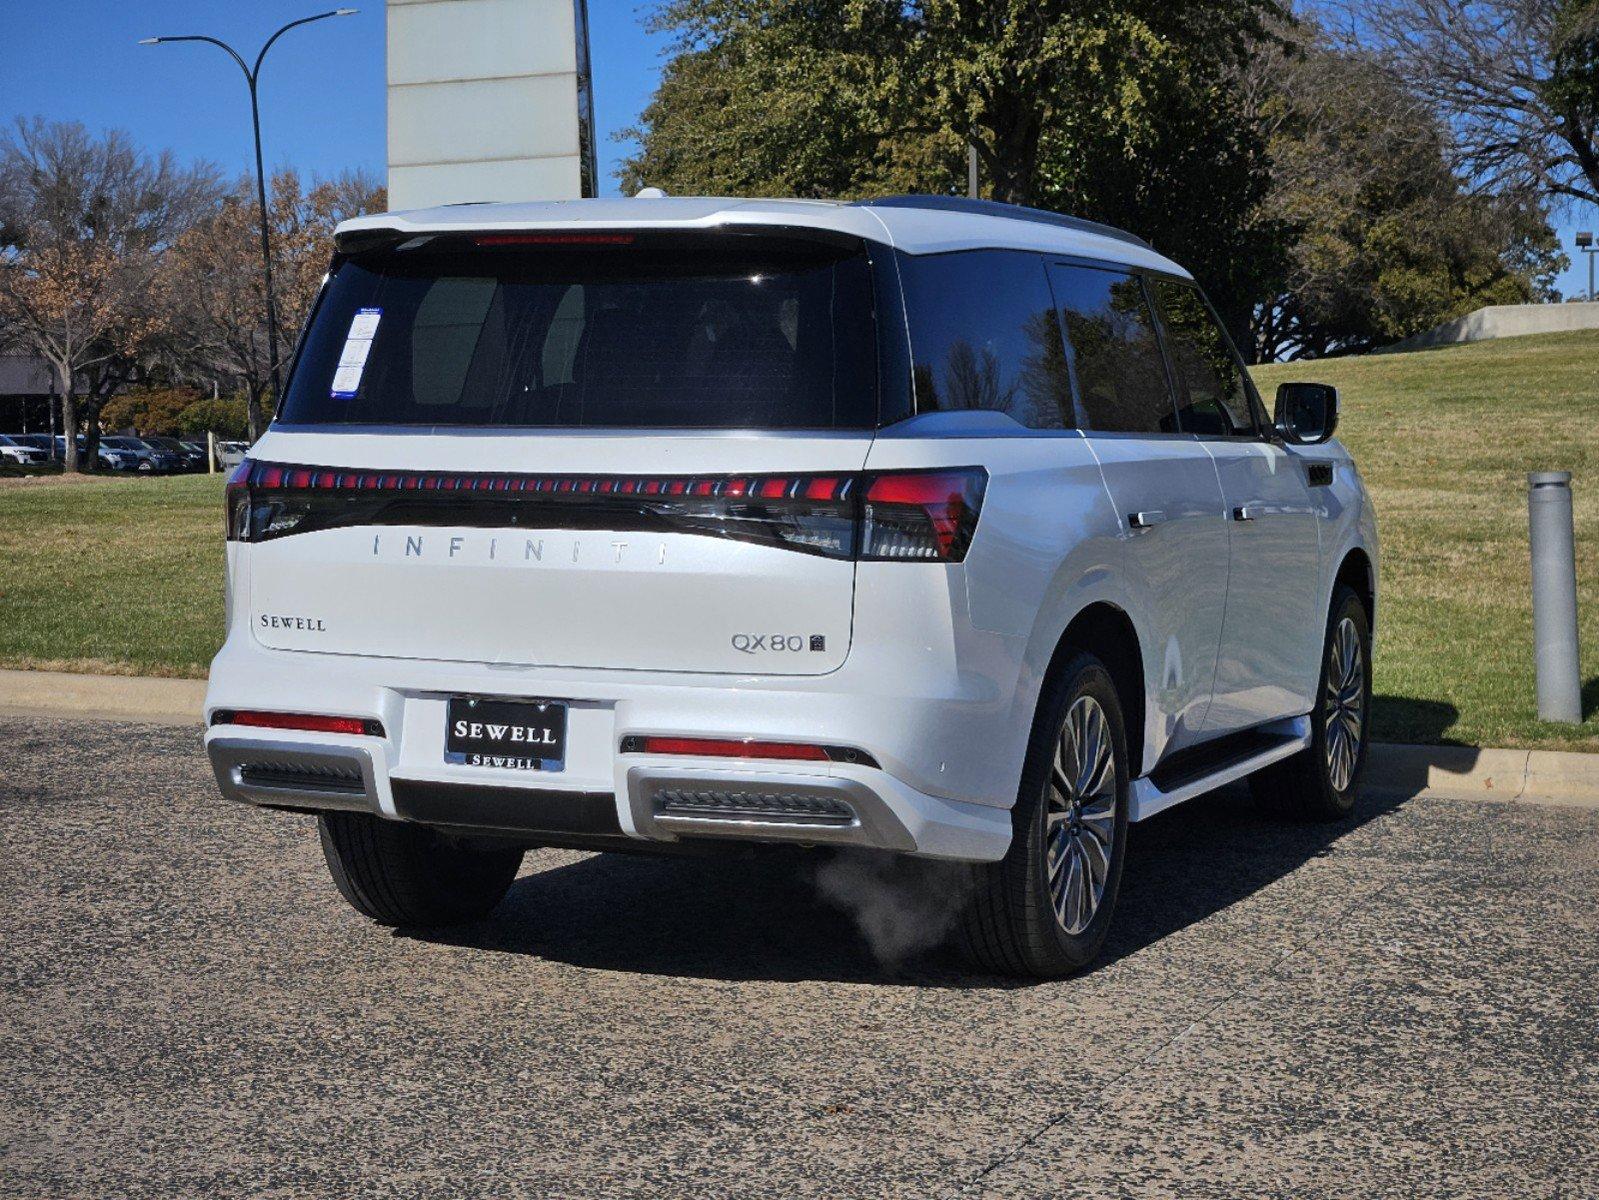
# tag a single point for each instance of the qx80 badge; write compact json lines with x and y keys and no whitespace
{"x":778,"y":643}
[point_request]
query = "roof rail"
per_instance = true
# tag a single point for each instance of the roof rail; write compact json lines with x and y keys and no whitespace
{"x":1014,"y":212}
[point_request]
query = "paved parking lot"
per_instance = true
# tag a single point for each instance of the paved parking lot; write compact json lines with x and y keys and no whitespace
{"x":1404,"y":1006}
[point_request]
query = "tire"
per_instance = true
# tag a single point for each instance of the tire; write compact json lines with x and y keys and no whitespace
{"x":402,"y":874}
{"x":1015,"y":922}
{"x":1319,"y":784}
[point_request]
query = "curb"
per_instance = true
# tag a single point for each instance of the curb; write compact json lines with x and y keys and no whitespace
{"x":1558,"y":777}
{"x":103,"y":697}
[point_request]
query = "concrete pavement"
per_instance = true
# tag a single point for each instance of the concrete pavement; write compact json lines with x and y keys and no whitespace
{"x":1404,"y":1005}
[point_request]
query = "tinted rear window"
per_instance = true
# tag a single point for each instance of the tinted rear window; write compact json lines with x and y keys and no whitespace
{"x":984,"y":335}
{"x":714,"y":331}
{"x":1121,"y":373}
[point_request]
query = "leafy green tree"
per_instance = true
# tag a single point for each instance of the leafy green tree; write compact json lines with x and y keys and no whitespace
{"x":1124,"y":111}
{"x":1388,"y":240}
{"x":148,"y":410}
{"x":227,"y":417}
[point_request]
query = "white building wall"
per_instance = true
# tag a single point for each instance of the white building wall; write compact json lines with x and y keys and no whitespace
{"x":488,"y":100}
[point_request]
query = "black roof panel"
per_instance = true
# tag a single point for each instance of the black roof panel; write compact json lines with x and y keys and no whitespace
{"x":1013,"y":212}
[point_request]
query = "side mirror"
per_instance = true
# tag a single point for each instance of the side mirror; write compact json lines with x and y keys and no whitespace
{"x":1307,"y":413}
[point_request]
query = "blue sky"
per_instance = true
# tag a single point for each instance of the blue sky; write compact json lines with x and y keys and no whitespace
{"x":322,"y":99}
{"x":321,"y":91}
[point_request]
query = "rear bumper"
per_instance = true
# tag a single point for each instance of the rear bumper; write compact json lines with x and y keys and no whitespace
{"x":944,"y":717}
{"x":656,"y":800}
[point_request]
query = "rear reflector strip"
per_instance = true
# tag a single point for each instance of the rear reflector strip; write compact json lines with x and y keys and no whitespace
{"x":307,"y":722}
{"x":745,"y":748}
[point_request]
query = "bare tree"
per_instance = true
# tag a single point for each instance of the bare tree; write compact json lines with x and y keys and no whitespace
{"x":217,"y":278}
{"x":83,"y":223}
{"x":1516,"y":81}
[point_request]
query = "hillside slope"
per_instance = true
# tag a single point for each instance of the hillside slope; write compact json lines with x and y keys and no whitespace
{"x":1445,"y":439}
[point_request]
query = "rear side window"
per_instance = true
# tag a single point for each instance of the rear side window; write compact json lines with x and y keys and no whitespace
{"x":984,"y":336}
{"x":1116,"y":356}
{"x":1211,"y":394}
{"x":623,"y":330}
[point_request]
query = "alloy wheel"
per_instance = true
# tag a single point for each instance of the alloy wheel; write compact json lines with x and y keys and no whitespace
{"x":1344,"y":704}
{"x":1080,"y":818}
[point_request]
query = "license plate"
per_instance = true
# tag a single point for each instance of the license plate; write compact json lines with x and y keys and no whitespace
{"x":516,"y":735}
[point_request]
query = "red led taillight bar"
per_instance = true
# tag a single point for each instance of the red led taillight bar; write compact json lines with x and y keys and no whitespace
{"x":281,"y":477}
{"x":887,"y":516}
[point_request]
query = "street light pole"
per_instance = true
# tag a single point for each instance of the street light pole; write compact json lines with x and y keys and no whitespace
{"x":252,"y":76}
{"x":1585,"y":244}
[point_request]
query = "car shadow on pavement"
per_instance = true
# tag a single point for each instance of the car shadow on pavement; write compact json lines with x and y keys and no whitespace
{"x":790,"y":916}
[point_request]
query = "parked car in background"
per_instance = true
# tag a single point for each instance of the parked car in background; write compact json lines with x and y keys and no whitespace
{"x":39,"y":441}
{"x":107,"y":458}
{"x":923,"y":524}
{"x":231,"y":454}
{"x":188,"y":458}
{"x":16,"y":453}
{"x":147,"y":458}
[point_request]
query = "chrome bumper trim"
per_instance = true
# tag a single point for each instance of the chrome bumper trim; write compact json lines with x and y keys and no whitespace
{"x":295,"y":774}
{"x":650,"y":790}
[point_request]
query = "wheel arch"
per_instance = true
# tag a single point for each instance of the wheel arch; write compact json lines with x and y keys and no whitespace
{"x":1106,"y":631}
{"x":1356,"y":572}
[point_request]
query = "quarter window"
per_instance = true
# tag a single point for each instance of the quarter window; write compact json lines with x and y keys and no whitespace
{"x":984,"y":336}
{"x":1212,"y":398}
{"x":1120,"y":372}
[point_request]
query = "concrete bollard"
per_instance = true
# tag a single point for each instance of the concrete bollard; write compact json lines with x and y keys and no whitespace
{"x":1554,"y":596}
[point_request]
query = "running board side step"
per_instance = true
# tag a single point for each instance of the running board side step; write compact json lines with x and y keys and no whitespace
{"x":1266,"y":745}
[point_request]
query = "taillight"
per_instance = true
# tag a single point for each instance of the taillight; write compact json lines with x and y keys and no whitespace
{"x":894,"y":516}
{"x":305,"y":722}
{"x":921,"y":515}
{"x":237,"y":516}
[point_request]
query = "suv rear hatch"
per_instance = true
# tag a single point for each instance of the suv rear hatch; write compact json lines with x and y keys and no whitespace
{"x":607,"y":449}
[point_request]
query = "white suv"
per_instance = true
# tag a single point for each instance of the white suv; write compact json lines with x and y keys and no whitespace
{"x":931,"y":526}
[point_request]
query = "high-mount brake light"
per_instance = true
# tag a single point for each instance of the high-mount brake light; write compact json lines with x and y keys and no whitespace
{"x":553,"y":239}
{"x":892,"y":516}
{"x":305,"y":722}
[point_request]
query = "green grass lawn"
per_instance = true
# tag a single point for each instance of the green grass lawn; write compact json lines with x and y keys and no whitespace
{"x":124,"y":575}
{"x":1445,"y":439}
{"x":113,"y":574}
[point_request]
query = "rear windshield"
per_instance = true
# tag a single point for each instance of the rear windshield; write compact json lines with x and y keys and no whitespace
{"x":665,"y":331}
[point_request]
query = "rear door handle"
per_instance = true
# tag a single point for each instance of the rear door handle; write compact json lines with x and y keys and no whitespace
{"x":1247,"y":512}
{"x":1144,"y":520}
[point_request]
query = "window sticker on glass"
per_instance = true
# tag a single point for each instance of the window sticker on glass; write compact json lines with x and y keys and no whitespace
{"x":357,"y":345}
